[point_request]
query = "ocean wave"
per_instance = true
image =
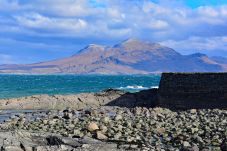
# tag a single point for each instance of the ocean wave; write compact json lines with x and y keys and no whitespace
{"x":154,"y":87}
{"x":136,"y":87}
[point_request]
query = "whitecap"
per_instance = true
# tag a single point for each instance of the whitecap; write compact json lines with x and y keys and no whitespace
{"x":154,"y":87}
{"x":133,"y":87}
{"x":137,"y":87}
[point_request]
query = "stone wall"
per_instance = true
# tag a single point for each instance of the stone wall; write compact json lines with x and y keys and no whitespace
{"x":193,"y":90}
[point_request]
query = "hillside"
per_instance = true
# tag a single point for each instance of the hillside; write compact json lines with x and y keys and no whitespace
{"x":129,"y":57}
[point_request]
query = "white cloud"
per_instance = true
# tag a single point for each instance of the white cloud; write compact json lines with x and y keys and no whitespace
{"x":199,"y":44}
{"x":114,"y":13}
{"x":119,"y":19}
{"x":37,"y":21}
{"x":208,"y":11}
{"x":158,"y":24}
{"x":223,"y":10}
{"x":149,"y":7}
{"x":65,"y":8}
{"x":76,"y":15}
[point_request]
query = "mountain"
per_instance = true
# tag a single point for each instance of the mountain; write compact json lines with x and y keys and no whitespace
{"x":219,"y":59}
{"x":131,"y":56}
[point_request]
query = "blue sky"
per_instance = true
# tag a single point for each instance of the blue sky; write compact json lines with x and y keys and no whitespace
{"x":198,"y":3}
{"x":40,"y":30}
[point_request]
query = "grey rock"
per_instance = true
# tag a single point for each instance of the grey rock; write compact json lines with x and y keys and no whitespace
{"x":101,"y":136}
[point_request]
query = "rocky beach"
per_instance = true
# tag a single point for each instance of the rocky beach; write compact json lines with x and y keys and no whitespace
{"x":178,"y":116}
{"x":114,"y":128}
{"x":109,"y":120}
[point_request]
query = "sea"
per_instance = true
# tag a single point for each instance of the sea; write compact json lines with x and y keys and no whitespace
{"x":14,"y":86}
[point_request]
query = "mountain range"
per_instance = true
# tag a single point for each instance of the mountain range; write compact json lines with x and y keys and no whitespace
{"x":131,"y":56}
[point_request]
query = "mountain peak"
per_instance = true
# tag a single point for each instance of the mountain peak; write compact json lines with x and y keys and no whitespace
{"x":134,"y":41}
{"x":92,"y":48}
{"x":136,"y":44}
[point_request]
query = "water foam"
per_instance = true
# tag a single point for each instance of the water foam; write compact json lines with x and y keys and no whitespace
{"x":137,"y":87}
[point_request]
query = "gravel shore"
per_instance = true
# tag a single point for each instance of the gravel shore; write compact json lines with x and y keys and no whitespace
{"x":126,"y":128}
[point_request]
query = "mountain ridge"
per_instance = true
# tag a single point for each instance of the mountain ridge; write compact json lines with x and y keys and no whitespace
{"x":131,"y":56}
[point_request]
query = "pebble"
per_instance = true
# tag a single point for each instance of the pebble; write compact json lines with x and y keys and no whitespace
{"x":101,"y":136}
{"x":92,"y":127}
{"x":186,"y":144}
{"x":163,"y":129}
{"x":118,"y":117}
{"x":106,"y":120}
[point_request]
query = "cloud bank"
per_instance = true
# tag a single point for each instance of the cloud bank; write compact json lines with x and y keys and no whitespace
{"x":78,"y":22}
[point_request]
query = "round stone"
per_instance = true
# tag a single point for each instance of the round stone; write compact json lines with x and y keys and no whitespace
{"x":92,"y":127}
{"x":117,"y":136}
{"x":45,"y":121}
{"x":186,"y":144}
{"x":103,"y":128}
{"x":106,"y":119}
{"x":118,"y":117}
{"x":101,"y":136}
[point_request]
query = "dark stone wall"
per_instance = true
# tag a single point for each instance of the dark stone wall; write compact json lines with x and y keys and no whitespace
{"x":193,"y":90}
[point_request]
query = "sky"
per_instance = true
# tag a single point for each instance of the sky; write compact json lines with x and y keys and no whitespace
{"x":40,"y":30}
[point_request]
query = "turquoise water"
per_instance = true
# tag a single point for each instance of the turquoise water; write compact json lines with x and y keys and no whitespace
{"x":26,"y":85}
